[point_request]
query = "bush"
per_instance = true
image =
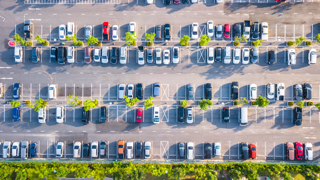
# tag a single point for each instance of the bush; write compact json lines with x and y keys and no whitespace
{"x":253,"y":103}
{"x":99,"y":44}
{"x":290,"y":43}
{"x":149,"y":43}
{"x":236,"y":102}
{"x":46,"y":43}
{"x":236,"y":43}
{"x":310,"y":103}
{"x":290,"y":103}
{"x":184,"y":41}
{"x":309,"y":43}
{"x":78,"y":43}
{"x":184,"y":103}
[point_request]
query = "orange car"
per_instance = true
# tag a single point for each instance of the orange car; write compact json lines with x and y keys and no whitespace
{"x":121,"y":144}
{"x":253,"y":151}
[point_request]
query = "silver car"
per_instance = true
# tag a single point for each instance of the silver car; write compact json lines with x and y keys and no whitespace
{"x":94,"y":149}
{"x":147,"y":149}
{"x":130,"y":91}
{"x":190,"y":91}
{"x":59,"y":149}
{"x":24,"y":149}
{"x":219,"y":31}
{"x":158,"y":56}
{"x":88,"y":31}
{"x":255,"y":55}
{"x":122,"y":88}
{"x":15,"y":149}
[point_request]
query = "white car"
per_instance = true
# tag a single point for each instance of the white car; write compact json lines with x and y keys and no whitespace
{"x":70,"y":29}
{"x":130,"y":91}
{"x":219,"y":1}
{"x":264,"y":31}
{"x":62,"y":32}
{"x":59,"y":114}
{"x":291,"y":57}
{"x":308,"y":151}
{"x":189,"y":115}
{"x":129,"y":150}
{"x":166,"y":57}
{"x":149,"y":1}
{"x":115,"y":36}
{"x":245,"y":56}
{"x":217,"y":149}
{"x":96,"y":55}
{"x":59,"y":149}
{"x":210,"y":55}
{"x":104,"y":54}
{"x":132,"y":28}
{"x":312,"y":56}
{"x":210,"y":29}
{"x":175,"y":53}
{"x":88,"y":31}
{"x":70,"y":54}
{"x":6,"y":149}
{"x":194,"y":1}
{"x":280,"y":91}
{"x":94,"y":149}
{"x":156,"y":115}
{"x":270,"y":91}
{"x":77,"y":149}
{"x":122,"y":88}
{"x":190,"y":151}
{"x":253,"y":91}
{"x":147,"y":150}
{"x":15,"y":149}
{"x":236,"y":55}
{"x":158,"y":56}
{"x":194,"y":30}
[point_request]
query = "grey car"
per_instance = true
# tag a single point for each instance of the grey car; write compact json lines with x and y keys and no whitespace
{"x":150,"y":55}
{"x":181,"y":150}
{"x":298,"y":92}
{"x":88,"y":31}
{"x":158,"y":32}
{"x":190,"y":91}
{"x":254,"y":55}
{"x":219,"y":31}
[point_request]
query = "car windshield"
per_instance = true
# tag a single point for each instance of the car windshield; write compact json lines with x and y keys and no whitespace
{"x":194,"y":32}
{"x":236,"y":87}
{"x":309,"y":148}
{"x":115,"y":28}
{"x":190,"y":88}
{"x":76,"y":147}
{"x":227,"y":32}
{"x":253,"y":89}
{"x":291,"y":148}
{"x":237,"y":57}
{"x":69,"y":57}
{"x":210,"y":58}
{"x":281,"y":87}
{"x":129,"y":88}
{"x":210,"y":30}
{"x":147,"y":147}
{"x":96,"y":57}
{"x":129,"y":147}
{"x":190,"y":147}
{"x":15,"y":116}
{"x":246,"y":58}
{"x":14,"y":147}
{"x":121,"y":88}
{"x":208,"y":89}
{"x":253,"y":148}
{"x":138,"y":117}
{"x":59,"y":147}
{"x":190,"y":118}
{"x":94,"y":147}
{"x":87,"y":57}
{"x":299,"y":148}
{"x":61,"y":28}
{"x":181,"y":148}
{"x":217,"y":147}
{"x":115,"y":36}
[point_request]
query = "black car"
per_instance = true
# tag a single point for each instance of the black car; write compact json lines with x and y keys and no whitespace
{"x":218,"y":54}
{"x":255,"y":31}
{"x":139,"y":91}
{"x":102,"y":149}
{"x":226,"y":114}
{"x":103,"y":116}
{"x":62,"y":55}
{"x":33,"y":150}
{"x":307,"y":91}
{"x":208,"y":91}
{"x":158,"y":32}
{"x":167,"y":35}
{"x":181,"y":114}
{"x":245,"y":151}
{"x":207,"y":151}
{"x":297,"y":120}
{"x":86,"y":150}
{"x":85,"y":116}
{"x":167,"y":2}
{"x":53,"y":54}
{"x":237,"y":30}
{"x":181,"y":150}
{"x":16,"y":91}
{"x":271,"y":57}
{"x":185,"y":1}
{"x":114,"y":55}
{"x":138,"y":149}
{"x":36,"y":54}
{"x":234,"y":90}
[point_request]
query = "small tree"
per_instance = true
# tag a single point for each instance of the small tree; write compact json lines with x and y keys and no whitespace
{"x":130,"y":39}
{"x":184,"y":103}
{"x":39,"y":39}
{"x":236,"y":41}
{"x":318,"y":38}
{"x":257,"y":43}
{"x":262,"y":101}
{"x":18,"y":38}
{"x":14,"y":103}
{"x":185,"y":40}
{"x":300,"y":40}
{"x":309,"y":43}
{"x":290,"y":43}
{"x":89,"y":103}
{"x":150,"y":37}
{"x":130,"y":102}
{"x":92,"y":40}
{"x":243,"y":39}
{"x":73,"y":101}
{"x":39,"y":104}
{"x":241,"y":101}
{"x":310,"y":103}
{"x":290,"y":103}
{"x":71,"y":38}
{"x":204,"y":40}
{"x":148,"y":103}
{"x":205,"y":104}
{"x":300,"y":104}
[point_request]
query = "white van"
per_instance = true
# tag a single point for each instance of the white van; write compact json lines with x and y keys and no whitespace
{"x":52,"y":91}
{"x":42,"y":115}
{"x":70,"y":54}
{"x":210,"y":55}
{"x":243,"y":121}
{"x":156,"y":115}
{"x":18,"y":54}
{"x":70,"y":29}
{"x":227,"y":55}
{"x":123,"y":55}
{"x":60,"y":114}
{"x":104,"y":54}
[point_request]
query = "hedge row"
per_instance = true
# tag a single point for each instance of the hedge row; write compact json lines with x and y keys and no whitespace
{"x":122,"y":171}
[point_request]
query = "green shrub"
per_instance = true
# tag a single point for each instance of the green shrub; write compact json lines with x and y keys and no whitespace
{"x":290,"y":103}
{"x":236,"y":43}
{"x":253,"y":103}
{"x":99,"y":44}
{"x":78,"y":43}
{"x":149,"y":43}
{"x":310,"y":103}
{"x":309,"y":43}
{"x":290,"y":43}
{"x":46,"y":43}
{"x":236,"y":102}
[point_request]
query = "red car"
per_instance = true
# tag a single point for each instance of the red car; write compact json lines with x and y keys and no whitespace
{"x":176,"y":1}
{"x":253,"y":151}
{"x":281,"y":0}
{"x":139,"y":115}
{"x":299,"y":150}
{"x":106,"y":31}
{"x":227,"y":31}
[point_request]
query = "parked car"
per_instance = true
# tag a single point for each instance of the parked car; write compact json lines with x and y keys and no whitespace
{"x":139,"y":115}
{"x":312,"y":56}
{"x":298,"y":150}
{"x":255,"y":32}
{"x":271,"y":57}
{"x":307,"y":91}
{"x":219,"y":31}
{"x":105,"y":31}
{"x":234,"y":90}
{"x":297,"y":119}
{"x":167,"y":34}
{"x":6,"y":149}
{"x":236,"y":55}
{"x":114,"y":55}
{"x":156,"y":89}
{"x":176,"y":1}
{"x":175,"y":57}
{"x":158,"y":56}
{"x":103,"y":116}
{"x":105,"y":54}
{"x":226,"y":114}
{"x":62,"y":32}
{"x":88,"y":31}
{"x":190,"y":151}
{"x":167,"y":2}
{"x":53,"y":54}
{"x":158,"y":32}
{"x":208,"y":91}
{"x":33,"y":150}
{"x":210,"y":29}
{"x":210,"y":55}
{"x":94,"y":149}
{"x":59,"y":149}
{"x":60,"y":114}
{"x":16,"y":114}
{"x":130,"y":91}
{"x":181,"y":114}
{"x":121,"y":152}
{"x":147,"y":150}
{"x":61,"y":55}
{"x":270,"y":91}
{"x":290,"y":151}
{"x":102,"y":149}
{"x":138,"y":149}
{"x":36,"y":53}
{"x":264,"y":31}
{"x":70,"y":54}
{"x":253,"y":151}
{"x":280,"y":91}
{"x":194,"y":30}
{"x":87,"y":55}
{"x":253,"y":91}
{"x":166,"y":56}
{"x":189,"y":115}
{"x":291,"y":57}
{"x":190,"y":91}
{"x":181,"y":150}
{"x":86,"y":150}
{"x":85,"y":116}
{"x":308,"y":151}
{"x":16,"y":91}
{"x":77,"y":149}
{"x":24,"y":149}
{"x":156,"y":115}
{"x":129,"y":149}
{"x":207,"y":150}
{"x":245,"y":56}
{"x":218,"y":54}
{"x":15,"y":149}
{"x":245,"y":151}
{"x":227,"y":31}
{"x":139,"y":91}
{"x":298,"y":93}
{"x":150,"y":55}
{"x":122,"y":90}
{"x":254,"y":55}
{"x":96,"y":55}
{"x":237,"y":30}
{"x":217,"y":149}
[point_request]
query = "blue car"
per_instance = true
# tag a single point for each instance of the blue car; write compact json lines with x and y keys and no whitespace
{"x":16,"y":91}
{"x":156,"y":89}
{"x":16,"y":114}
{"x":33,"y":150}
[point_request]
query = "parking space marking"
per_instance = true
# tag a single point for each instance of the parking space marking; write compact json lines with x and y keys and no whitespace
{"x":164,"y":149}
{"x":165,"y":92}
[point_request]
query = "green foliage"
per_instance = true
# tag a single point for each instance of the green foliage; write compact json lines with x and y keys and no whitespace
{"x":205,"y":104}
{"x":300,"y":104}
{"x":73,"y":101}
{"x":78,"y":43}
{"x":235,"y":174}
{"x":257,"y":43}
{"x":290,"y":43}
{"x":28,"y":43}
{"x":148,"y":103}
{"x":150,"y":37}
{"x":130,"y":39}
{"x":92,"y":40}
{"x":236,"y":41}
{"x":178,"y":173}
{"x":46,"y":43}
{"x":236,"y":102}
{"x":130,"y":102}
{"x":310,"y":103}
{"x":39,"y":39}
{"x":99,"y":43}
{"x":241,"y":101}
{"x":14,"y":103}
{"x":262,"y":101}
{"x":243,"y":39}
{"x":204,"y":40}
{"x":18,"y":38}
{"x":39,"y":104}
{"x":184,"y":103}
{"x":310,"y":175}
{"x":254,"y":103}
{"x":71,"y":38}
{"x":318,"y":38}
{"x":184,"y":41}
{"x":290,"y":103}
{"x":286,"y":176}
{"x":309,"y":43}
{"x":89,"y":103}
{"x":300,"y":40}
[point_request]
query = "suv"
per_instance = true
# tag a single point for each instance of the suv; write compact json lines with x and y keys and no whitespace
{"x":255,"y":32}
{"x":307,"y":91}
{"x":129,"y":150}
{"x":208,"y":91}
{"x":237,"y":30}
{"x":208,"y":150}
{"x":24,"y":149}
{"x":94,"y":149}
{"x":138,"y":149}
{"x":114,"y":55}
{"x":234,"y":90}
{"x":181,"y":114}
{"x":139,"y":91}
{"x":86,"y":149}
{"x":6,"y":149}
{"x":102,"y":149}
{"x":167,"y":35}
{"x":297,"y":120}
{"x":226,"y":114}
{"x":85,"y":116}
{"x":218,"y":54}
{"x":190,"y":151}
{"x":36,"y":54}
{"x":103,"y":116}
{"x":62,"y":55}
{"x":15,"y":149}
{"x":245,"y":151}
{"x":271,"y":57}
{"x":77,"y":149}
